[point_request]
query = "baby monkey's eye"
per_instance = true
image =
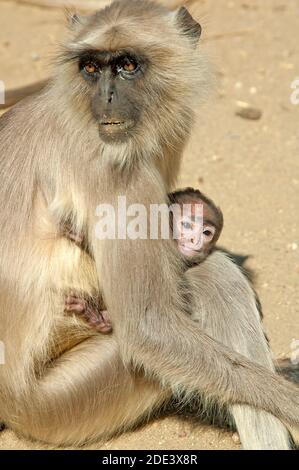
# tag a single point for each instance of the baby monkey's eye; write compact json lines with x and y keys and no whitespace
{"x":209,"y":233}
{"x":186,"y":225}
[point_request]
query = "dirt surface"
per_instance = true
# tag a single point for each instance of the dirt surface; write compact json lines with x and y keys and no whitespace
{"x":249,"y":167}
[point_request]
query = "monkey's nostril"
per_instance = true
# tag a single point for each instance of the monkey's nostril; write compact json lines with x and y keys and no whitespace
{"x":111,"y":97}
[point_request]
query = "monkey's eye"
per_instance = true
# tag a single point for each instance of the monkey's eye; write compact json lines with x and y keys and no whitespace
{"x":186,"y":225}
{"x":209,"y":233}
{"x":127,"y":67}
{"x":90,"y":68}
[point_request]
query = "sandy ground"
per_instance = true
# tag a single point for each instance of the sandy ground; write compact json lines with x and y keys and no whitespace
{"x":251,"y":168}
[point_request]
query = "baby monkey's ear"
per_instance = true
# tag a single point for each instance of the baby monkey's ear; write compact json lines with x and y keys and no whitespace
{"x":188,"y":25}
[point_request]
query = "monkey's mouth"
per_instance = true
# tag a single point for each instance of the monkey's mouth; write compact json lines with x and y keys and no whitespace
{"x":113,"y":130}
{"x":189,"y":249}
{"x":111,"y":125}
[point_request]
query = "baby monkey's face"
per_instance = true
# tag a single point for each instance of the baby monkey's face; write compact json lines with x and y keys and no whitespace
{"x":194,"y":233}
{"x":197,"y":224}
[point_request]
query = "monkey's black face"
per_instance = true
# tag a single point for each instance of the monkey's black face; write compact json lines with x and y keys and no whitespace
{"x":114,"y":80}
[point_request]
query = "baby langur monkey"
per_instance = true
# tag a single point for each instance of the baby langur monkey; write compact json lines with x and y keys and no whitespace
{"x":196,"y":224}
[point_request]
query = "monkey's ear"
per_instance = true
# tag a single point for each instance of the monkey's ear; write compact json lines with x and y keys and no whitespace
{"x":188,"y":25}
{"x":74,"y":20}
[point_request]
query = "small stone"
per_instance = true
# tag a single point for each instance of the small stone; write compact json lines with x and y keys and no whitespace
{"x":252,"y":114}
{"x":279,"y":8}
{"x":242,"y":104}
{"x":287,"y":66}
{"x":34,"y":56}
{"x":216,"y":158}
{"x":253,"y":90}
{"x":238,"y":85}
{"x":233,"y":136}
{"x":247,"y":6}
{"x":292,"y":247}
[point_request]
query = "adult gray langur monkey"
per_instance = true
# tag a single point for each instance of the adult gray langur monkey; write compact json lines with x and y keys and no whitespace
{"x":113,"y":121}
